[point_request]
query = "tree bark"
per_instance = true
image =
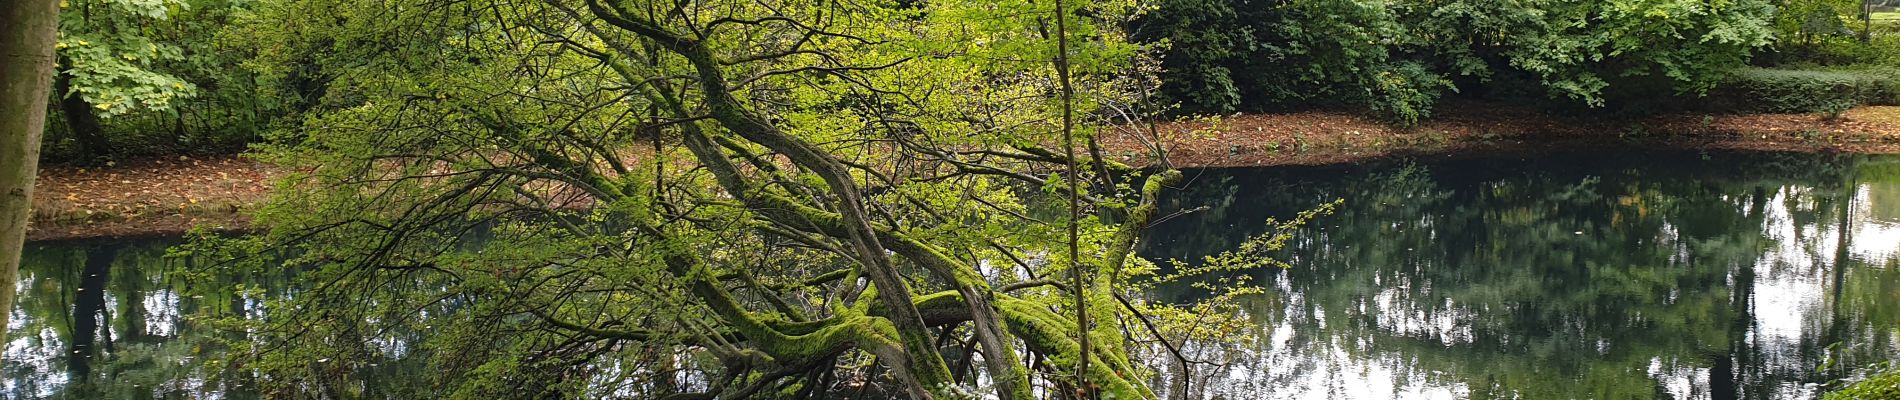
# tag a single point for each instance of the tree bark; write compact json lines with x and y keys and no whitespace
{"x":26,"y":69}
{"x":1867,"y":22}
{"x":80,"y":119}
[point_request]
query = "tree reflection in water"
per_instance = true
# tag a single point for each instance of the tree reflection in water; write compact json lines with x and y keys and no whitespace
{"x":108,"y":319}
{"x":1572,"y":276}
{"x":1646,"y":275}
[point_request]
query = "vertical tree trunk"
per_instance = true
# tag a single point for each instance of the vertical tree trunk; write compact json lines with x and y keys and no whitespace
{"x":80,"y":119}
{"x":1867,"y":22}
{"x":26,"y":69}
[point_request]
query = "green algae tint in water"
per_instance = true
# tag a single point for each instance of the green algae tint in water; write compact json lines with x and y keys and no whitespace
{"x":1607,"y":276}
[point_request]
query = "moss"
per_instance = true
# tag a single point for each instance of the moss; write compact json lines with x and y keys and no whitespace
{"x":1048,"y":333}
{"x":799,"y":340}
{"x":1102,"y":305}
{"x":1051,"y":334}
{"x":974,"y":289}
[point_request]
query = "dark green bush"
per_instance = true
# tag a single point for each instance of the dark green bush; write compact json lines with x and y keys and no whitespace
{"x":1805,"y":90}
{"x":1882,"y":87}
{"x":1395,"y":59}
{"x":227,"y":107}
{"x":1233,"y":55}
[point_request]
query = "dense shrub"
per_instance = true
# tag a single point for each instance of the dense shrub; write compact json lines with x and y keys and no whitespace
{"x":1881,"y":86}
{"x":1832,"y":32}
{"x":142,"y":78}
{"x":1203,"y":38}
{"x":1808,"y":22}
{"x":1404,"y":92}
{"x":1225,"y":56}
{"x":1804,"y":91}
{"x":1884,"y":49}
{"x":1395,"y":58}
{"x":1884,"y":386}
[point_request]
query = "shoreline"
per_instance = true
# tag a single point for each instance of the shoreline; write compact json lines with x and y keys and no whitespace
{"x":146,"y":198}
{"x":1315,"y":138}
{"x":168,"y":197}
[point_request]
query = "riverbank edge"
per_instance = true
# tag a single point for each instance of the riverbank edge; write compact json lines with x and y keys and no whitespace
{"x":164,"y":197}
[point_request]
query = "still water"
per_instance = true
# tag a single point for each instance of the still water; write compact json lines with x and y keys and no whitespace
{"x":1611,"y":276}
{"x":1607,"y":276}
{"x":107,"y":319}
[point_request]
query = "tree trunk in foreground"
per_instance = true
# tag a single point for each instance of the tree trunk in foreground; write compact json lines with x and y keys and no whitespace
{"x":26,"y":72}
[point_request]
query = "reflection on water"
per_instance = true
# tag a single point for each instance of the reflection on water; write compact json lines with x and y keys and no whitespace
{"x":105,"y":319}
{"x":1587,"y":276}
{"x":1689,"y":276}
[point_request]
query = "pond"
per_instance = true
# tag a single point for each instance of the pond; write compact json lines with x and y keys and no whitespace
{"x":1587,"y":275}
{"x":107,"y":319}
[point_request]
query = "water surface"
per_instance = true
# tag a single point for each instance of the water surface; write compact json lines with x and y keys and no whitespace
{"x":1610,"y":276}
{"x":107,"y":319}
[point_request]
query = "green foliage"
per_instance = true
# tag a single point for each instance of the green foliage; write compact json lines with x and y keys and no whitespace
{"x":233,"y":106}
{"x":1342,"y":51}
{"x":1404,"y":93}
{"x":1880,"y":86}
{"x":1225,"y":56}
{"x":1882,"y":50}
{"x":1805,"y":91}
{"x":110,"y":59}
{"x":1792,"y":91}
{"x":163,"y":76}
{"x":1394,"y":57}
{"x":1812,"y":22}
{"x":1833,"y":32}
{"x":1203,"y":40}
{"x":1579,"y":49}
{"x":577,"y":198}
{"x":1880,"y":386}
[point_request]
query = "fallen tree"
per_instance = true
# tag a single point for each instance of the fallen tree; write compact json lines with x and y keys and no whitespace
{"x":604,"y":198}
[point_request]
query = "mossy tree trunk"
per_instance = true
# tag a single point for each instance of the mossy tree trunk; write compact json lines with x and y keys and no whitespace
{"x":812,"y":204}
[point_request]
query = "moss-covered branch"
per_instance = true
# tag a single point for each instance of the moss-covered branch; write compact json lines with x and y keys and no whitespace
{"x":730,"y":113}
